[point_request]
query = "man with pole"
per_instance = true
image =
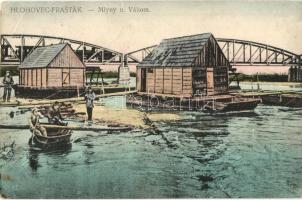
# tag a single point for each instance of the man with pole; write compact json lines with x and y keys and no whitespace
{"x":89,"y":98}
{"x":7,"y":82}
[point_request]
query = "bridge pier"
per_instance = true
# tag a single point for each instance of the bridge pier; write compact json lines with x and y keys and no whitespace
{"x":123,"y":75}
{"x":124,"y":72}
{"x":295,"y":74}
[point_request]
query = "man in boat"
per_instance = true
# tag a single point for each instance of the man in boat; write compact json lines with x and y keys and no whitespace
{"x":7,"y":82}
{"x":54,"y":114}
{"x":89,"y":98}
{"x":35,"y":123}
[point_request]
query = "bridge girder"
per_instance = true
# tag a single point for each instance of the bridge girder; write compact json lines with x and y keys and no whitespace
{"x":15,"y":47}
{"x":243,"y":53}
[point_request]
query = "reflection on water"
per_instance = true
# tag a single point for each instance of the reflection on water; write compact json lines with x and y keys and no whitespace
{"x":34,"y":151}
{"x":256,"y":154}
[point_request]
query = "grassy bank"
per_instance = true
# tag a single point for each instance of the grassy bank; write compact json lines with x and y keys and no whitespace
{"x":261,"y":77}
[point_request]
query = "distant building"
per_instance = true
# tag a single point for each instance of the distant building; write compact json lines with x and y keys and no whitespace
{"x":184,"y":66}
{"x":54,"y":66}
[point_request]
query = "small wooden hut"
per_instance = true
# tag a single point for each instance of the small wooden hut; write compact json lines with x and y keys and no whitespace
{"x":52,"y":67}
{"x":183,"y":67}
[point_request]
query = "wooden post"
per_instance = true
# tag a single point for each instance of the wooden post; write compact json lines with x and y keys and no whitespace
{"x":78,"y":91}
{"x":20,"y":76}
{"x":97,"y":79}
{"x":22,"y":48}
{"x":266,"y":52}
{"x":103,"y":90}
{"x":83,"y":53}
{"x":250,"y":53}
{"x":2,"y":44}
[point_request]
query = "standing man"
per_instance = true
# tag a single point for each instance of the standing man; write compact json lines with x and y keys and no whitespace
{"x":89,"y":98}
{"x":7,"y":82}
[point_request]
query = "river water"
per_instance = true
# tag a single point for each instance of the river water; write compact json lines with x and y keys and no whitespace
{"x":257,"y":154}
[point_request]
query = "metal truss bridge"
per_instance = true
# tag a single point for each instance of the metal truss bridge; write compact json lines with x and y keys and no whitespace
{"x":15,"y":47}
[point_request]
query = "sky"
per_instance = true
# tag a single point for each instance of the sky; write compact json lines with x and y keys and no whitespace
{"x":277,"y":23}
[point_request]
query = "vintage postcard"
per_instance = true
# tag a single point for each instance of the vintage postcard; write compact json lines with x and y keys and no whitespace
{"x":150,"y":99}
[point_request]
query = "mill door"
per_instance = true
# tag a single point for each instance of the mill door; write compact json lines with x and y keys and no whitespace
{"x":210,"y":81}
{"x":143,"y":79}
{"x":65,"y":77}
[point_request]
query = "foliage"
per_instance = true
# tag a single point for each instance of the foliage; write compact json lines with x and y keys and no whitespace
{"x":261,"y":77}
{"x":13,"y":70}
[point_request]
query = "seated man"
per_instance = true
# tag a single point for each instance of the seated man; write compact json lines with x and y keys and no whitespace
{"x":35,"y":123}
{"x":54,"y":114}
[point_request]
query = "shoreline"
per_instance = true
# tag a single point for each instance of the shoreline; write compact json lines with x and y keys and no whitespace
{"x":273,"y":83}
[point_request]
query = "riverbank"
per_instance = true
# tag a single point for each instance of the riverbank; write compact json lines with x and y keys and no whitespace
{"x":124,"y":116}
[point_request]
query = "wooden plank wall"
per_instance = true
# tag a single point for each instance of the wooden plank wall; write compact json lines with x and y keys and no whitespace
{"x":138,"y":79}
{"x":187,"y":81}
{"x":169,"y":80}
{"x":39,"y":77}
{"x":34,"y":77}
{"x":150,"y":80}
{"x":25,"y":77}
{"x":76,"y":77}
{"x":44,"y":77}
{"x":30,"y":80}
{"x":54,"y":77}
{"x":177,"y":81}
{"x":159,"y":81}
{"x":221,"y":82}
{"x":67,"y":58}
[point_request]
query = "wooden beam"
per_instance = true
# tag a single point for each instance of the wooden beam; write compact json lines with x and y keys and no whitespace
{"x":111,"y":59}
{"x":22,"y":48}
{"x":37,"y":44}
{"x":11,"y":48}
{"x":94,"y":54}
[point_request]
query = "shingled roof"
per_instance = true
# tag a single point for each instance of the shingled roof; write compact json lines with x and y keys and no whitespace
{"x":176,"y":52}
{"x":42,"y":56}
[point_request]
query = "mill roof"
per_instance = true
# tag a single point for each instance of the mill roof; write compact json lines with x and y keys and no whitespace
{"x":176,"y":52}
{"x":42,"y":56}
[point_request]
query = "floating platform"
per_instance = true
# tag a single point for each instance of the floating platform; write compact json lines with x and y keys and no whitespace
{"x":65,"y":92}
{"x":218,"y":103}
{"x":283,"y":100}
{"x":277,"y":98}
